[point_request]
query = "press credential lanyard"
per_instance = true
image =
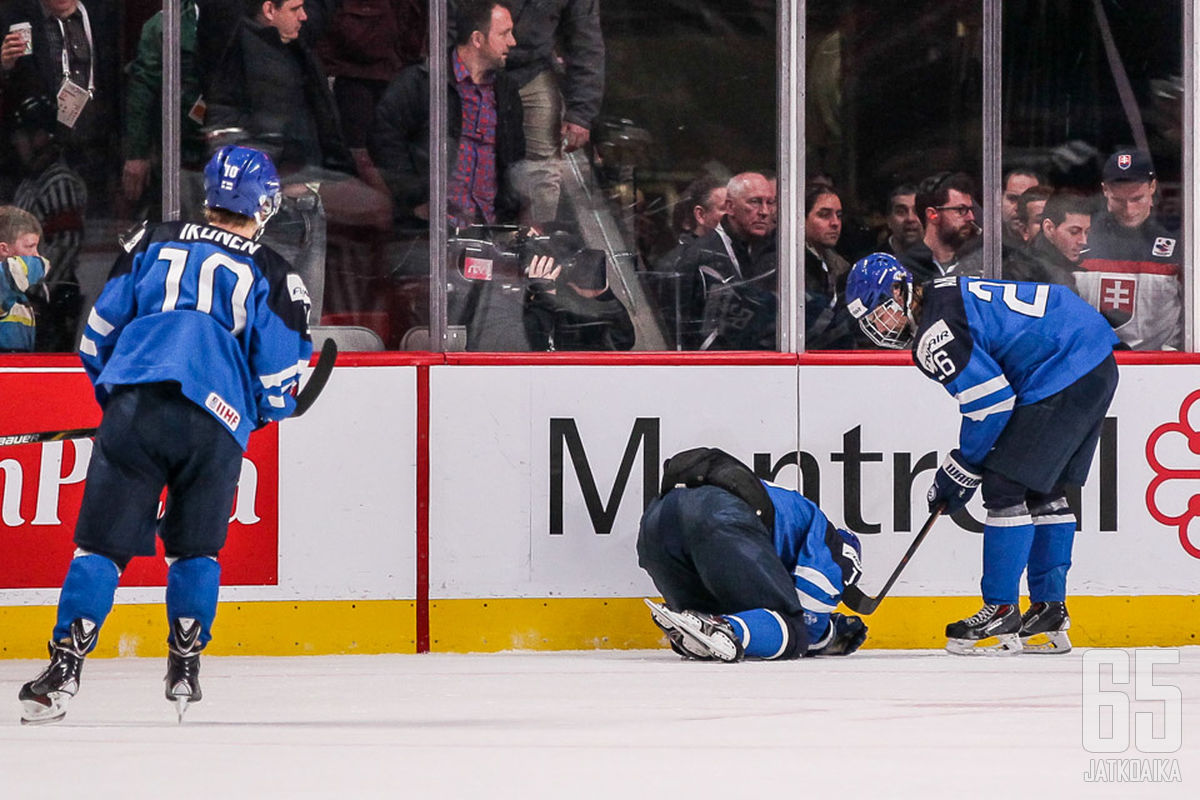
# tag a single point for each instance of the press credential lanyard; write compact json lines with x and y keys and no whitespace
{"x":71,"y":96}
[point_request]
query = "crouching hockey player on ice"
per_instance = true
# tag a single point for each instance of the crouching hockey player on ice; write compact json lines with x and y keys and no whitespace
{"x":1032,"y":369}
{"x":747,"y":569}
{"x":197,"y":339}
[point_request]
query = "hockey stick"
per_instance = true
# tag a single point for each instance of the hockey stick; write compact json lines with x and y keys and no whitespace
{"x":319,"y":377}
{"x":861,"y":603}
{"x":304,"y":400}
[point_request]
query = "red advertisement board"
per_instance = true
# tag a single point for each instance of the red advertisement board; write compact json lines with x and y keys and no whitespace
{"x":41,"y":487}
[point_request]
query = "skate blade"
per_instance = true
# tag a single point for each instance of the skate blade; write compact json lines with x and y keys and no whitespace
{"x":1006,"y":644}
{"x":697,"y":644}
{"x":1052,"y":643}
{"x":36,"y":713}
{"x":181,"y":704}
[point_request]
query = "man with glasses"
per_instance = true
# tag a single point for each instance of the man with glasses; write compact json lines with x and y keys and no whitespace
{"x":946,"y":204}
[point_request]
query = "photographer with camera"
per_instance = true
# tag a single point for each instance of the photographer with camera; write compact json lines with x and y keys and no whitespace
{"x":569,"y":305}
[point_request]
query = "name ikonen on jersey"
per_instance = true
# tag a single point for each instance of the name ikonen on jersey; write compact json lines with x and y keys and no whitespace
{"x":224,"y":238}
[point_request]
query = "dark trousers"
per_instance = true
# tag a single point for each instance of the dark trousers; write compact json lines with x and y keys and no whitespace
{"x":151,"y":436}
{"x":706,"y":550}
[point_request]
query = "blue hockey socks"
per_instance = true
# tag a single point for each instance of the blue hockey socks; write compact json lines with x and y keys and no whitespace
{"x":87,"y":593}
{"x":1049,"y":560}
{"x":192,"y":588}
{"x":765,"y":634}
{"x":1006,"y":543}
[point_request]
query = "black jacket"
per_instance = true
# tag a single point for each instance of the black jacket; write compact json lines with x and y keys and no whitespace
{"x":1040,"y":262}
{"x":399,"y":140}
{"x":279,"y":95}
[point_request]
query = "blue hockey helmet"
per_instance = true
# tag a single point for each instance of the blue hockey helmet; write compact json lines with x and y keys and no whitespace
{"x":244,"y":181}
{"x":871,"y":299}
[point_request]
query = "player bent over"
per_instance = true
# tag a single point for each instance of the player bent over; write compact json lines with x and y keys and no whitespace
{"x":748,"y":569}
{"x":1032,"y":369}
{"x":197,"y":339}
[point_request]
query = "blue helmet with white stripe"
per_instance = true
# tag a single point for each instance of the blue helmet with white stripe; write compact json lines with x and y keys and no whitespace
{"x":244,"y":181}
{"x":871,"y":299}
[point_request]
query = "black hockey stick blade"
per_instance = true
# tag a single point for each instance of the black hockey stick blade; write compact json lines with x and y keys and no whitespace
{"x":861,"y":603}
{"x":318,"y":378}
{"x":47,"y":436}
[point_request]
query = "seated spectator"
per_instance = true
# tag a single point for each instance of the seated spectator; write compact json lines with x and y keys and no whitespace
{"x":485,"y":118}
{"x":1054,"y":255}
{"x":733,"y":302}
{"x":904,"y":227}
{"x":1016,"y":182}
{"x":698,"y":210}
{"x":1131,"y":272}
{"x":56,"y":196}
{"x":827,"y":323}
{"x":1029,"y":211}
{"x":21,"y":273}
{"x":569,"y":305}
{"x":946,"y":204}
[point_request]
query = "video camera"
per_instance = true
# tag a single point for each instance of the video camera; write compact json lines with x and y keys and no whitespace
{"x":503,"y":253}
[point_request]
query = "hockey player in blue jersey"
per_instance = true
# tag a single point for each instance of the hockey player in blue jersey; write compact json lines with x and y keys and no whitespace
{"x":1032,"y":368}
{"x":197,"y":339}
{"x":747,"y":568}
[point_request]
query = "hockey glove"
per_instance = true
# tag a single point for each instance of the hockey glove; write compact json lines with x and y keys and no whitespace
{"x":955,"y":482}
{"x":848,"y":635}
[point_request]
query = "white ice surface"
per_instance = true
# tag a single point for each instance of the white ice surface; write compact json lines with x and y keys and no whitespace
{"x":596,"y":724}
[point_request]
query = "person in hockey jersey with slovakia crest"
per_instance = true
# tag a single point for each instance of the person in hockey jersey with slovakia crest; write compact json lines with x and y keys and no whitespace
{"x":1031,"y":366}
{"x":198,"y":338}
{"x":747,"y":569}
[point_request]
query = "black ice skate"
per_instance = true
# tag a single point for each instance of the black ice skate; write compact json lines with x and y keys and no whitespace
{"x":183,"y":665}
{"x":695,"y":635}
{"x":1044,"y":628}
{"x":44,"y":699}
{"x":971,"y":636}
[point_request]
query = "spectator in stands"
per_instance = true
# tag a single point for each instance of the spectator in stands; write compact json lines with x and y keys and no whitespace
{"x":143,"y":114}
{"x":904,"y":227}
{"x":269,"y":92}
{"x":21,"y":273}
{"x":559,"y":64}
{"x":697,"y":212}
{"x":569,"y":305}
{"x":366,"y":45}
{"x":1016,"y":181}
{"x":1054,"y":255}
{"x":1029,"y":211}
{"x":827,"y":323}
{"x":57,"y":197}
{"x":946,"y":204}
{"x":487,"y":139}
{"x":733,"y":302}
{"x":1131,"y":272}
{"x":73,"y":61}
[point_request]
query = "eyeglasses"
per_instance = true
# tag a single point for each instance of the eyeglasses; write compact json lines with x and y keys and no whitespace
{"x":962,"y":211}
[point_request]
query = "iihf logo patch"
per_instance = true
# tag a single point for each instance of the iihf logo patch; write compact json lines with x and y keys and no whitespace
{"x":1163,"y":247}
{"x":1124,"y":160}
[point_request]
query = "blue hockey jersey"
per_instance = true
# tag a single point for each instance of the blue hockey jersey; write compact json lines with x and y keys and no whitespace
{"x":219,"y":314}
{"x":996,"y":345}
{"x":800,"y":528}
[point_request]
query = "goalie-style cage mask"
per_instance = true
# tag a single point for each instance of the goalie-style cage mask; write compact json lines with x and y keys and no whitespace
{"x":871,"y":299}
{"x":244,"y":181}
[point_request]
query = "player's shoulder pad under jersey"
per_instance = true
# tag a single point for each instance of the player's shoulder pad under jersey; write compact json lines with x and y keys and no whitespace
{"x":943,"y":342}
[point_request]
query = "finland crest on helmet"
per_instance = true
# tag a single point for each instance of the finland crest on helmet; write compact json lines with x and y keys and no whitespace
{"x":242,"y":180}
{"x":871,"y":300}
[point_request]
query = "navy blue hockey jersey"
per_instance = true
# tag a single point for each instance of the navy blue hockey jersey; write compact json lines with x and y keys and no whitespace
{"x":219,"y":314}
{"x":799,"y":534}
{"x":996,"y":345}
